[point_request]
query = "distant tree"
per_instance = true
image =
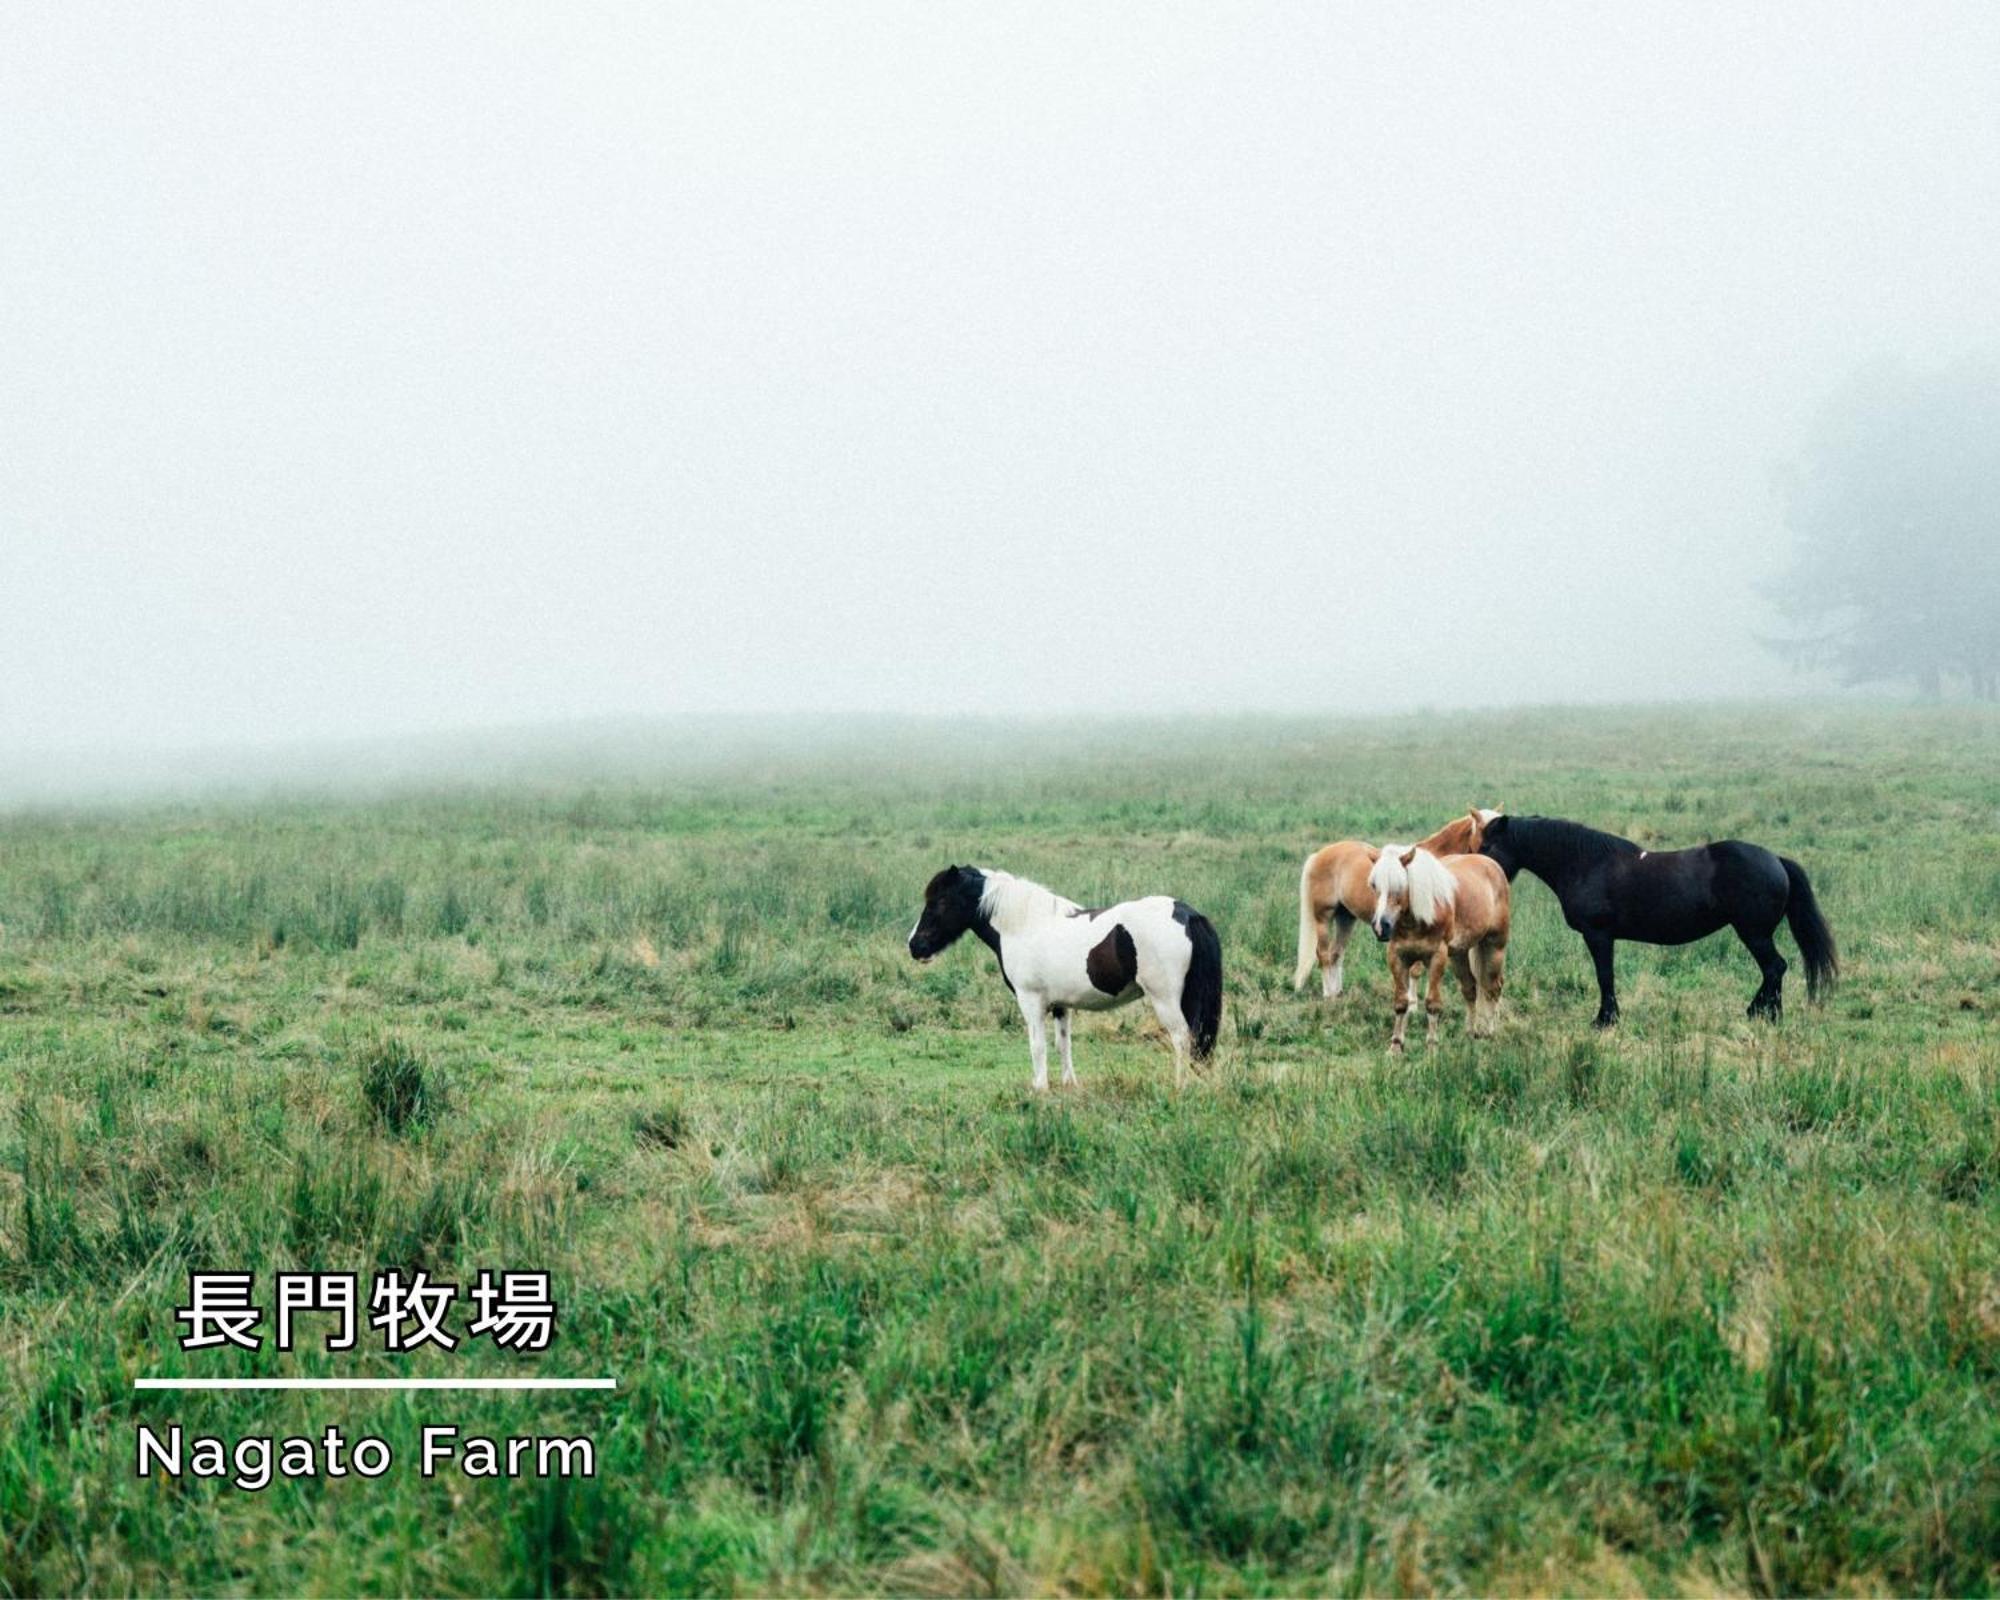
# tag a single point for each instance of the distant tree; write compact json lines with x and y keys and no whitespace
{"x":1896,"y":508}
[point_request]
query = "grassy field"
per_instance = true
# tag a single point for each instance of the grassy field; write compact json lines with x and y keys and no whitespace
{"x":1697,"y":1306}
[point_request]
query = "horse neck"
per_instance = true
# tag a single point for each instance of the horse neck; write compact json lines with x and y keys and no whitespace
{"x":1017,"y":906}
{"x":1453,"y":839}
{"x":1557,"y":854}
{"x":1441,"y":889}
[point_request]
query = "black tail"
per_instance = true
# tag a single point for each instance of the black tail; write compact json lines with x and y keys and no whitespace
{"x":1809,"y":928}
{"x":1201,"y":995}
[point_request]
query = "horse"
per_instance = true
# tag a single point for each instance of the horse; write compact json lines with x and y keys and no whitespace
{"x":1058,"y":958}
{"x":1429,"y":911}
{"x":1334,"y":885}
{"x":1611,"y":889}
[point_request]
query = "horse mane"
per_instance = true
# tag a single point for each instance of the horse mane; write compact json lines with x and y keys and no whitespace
{"x":1569,"y":843}
{"x":1432,"y":887}
{"x":1387,"y":875}
{"x":1426,"y":884}
{"x":1007,"y":899}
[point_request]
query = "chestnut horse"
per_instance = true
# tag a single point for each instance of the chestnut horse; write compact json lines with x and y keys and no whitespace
{"x":1428,"y":912}
{"x":1333,"y":889}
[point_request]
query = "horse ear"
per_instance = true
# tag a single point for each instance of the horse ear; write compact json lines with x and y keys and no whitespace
{"x":1408,"y":855}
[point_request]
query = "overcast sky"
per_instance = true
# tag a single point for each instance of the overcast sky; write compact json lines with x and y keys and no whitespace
{"x":381,"y":369}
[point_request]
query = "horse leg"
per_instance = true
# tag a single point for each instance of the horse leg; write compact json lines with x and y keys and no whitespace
{"x":1178,"y":1035}
{"x":1769,"y":1000}
{"x":1461,"y":969}
{"x":1601,"y":946}
{"x":1063,"y":1020}
{"x":1332,"y":980}
{"x":1434,"y":998}
{"x":1492,"y":973}
{"x":1035,"y":1015}
{"x":1401,"y":980}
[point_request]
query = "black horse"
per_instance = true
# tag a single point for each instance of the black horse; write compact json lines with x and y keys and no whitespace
{"x":1610,"y":889}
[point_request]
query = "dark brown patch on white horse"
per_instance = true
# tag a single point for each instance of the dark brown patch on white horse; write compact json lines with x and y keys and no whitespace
{"x":1113,"y":963}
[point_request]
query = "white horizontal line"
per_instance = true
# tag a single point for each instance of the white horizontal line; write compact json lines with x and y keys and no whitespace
{"x":374,"y":1383}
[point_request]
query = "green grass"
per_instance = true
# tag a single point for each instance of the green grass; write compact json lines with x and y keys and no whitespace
{"x":1699,"y":1306}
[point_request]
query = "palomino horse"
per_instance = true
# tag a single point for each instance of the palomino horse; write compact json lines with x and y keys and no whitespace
{"x":1429,"y":911}
{"x":1059,"y":958}
{"x":1610,"y":889}
{"x":1333,"y":889}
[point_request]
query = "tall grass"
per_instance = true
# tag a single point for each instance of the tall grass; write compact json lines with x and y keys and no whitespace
{"x":1698,"y":1304}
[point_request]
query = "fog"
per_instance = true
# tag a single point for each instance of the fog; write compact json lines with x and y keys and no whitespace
{"x":373,"y":371}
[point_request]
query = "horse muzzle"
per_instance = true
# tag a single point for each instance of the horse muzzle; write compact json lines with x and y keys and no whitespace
{"x":1383,"y":930}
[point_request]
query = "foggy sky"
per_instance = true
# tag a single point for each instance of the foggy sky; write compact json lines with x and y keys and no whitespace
{"x":375,"y":369}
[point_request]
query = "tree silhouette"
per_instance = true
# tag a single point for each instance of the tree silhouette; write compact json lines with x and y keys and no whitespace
{"x":1896,"y":507}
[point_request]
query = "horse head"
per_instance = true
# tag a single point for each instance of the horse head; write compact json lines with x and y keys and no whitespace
{"x":951,"y":906}
{"x":1462,"y":835}
{"x":1408,"y":878}
{"x":1390,"y":879}
{"x":1497,"y":844}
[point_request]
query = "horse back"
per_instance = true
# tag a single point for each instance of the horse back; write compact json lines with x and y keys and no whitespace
{"x":1338,"y":874}
{"x":1677,"y":896}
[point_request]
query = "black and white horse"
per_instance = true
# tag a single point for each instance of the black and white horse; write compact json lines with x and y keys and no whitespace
{"x":1059,"y":958}
{"x":1610,"y":889}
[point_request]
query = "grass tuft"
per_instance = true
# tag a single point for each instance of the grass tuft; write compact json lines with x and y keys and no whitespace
{"x":403,"y":1090}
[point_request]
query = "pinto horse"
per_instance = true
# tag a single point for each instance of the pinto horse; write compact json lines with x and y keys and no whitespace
{"x":1334,"y":895}
{"x":1610,"y":889}
{"x":1429,"y":912}
{"x":1059,"y":958}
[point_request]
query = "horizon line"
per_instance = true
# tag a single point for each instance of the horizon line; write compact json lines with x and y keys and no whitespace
{"x":374,"y":1383}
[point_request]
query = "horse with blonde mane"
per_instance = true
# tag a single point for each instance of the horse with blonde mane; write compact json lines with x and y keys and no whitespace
{"x":1430,"y":911}
{"x":1334,"y":894}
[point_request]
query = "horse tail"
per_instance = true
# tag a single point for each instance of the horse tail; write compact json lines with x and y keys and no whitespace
{"x":1201,"y":994}
{"x":1308,"y":926}
{"x":1809,"y":928}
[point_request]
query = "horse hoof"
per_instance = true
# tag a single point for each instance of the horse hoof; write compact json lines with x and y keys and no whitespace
{"x":1601,"y":1023}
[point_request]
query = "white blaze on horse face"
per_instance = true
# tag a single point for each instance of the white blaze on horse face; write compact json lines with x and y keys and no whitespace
{"x":1388,"y":880}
